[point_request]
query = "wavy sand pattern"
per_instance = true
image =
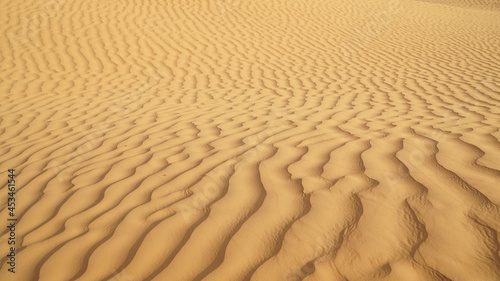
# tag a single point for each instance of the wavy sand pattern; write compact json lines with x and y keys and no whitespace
{"x":252,"y":140}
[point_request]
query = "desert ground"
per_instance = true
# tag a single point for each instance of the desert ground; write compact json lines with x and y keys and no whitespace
{"x":250,"y":140}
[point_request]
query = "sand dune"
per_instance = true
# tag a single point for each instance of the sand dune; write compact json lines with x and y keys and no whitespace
{"x":252,"y":140}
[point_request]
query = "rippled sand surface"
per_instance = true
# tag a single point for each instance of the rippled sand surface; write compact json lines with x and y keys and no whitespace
{"x":252,"y":140}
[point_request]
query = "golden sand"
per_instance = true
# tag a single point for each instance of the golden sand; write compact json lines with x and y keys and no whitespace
{"x":252,"y":140}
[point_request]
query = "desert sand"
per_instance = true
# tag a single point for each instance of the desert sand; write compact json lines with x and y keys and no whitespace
{"x":256,"y":140}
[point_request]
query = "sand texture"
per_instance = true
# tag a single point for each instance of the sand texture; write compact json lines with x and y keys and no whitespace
{"x":251,"y":140}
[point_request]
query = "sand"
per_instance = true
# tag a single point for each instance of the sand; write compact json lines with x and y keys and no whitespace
{"x":251,"y":139}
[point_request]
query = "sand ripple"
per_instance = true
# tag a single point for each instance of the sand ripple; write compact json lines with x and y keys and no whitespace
{"x":252,"y":140}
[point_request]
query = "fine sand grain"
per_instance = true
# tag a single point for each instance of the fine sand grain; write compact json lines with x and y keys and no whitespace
{"x":251,"y":140}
